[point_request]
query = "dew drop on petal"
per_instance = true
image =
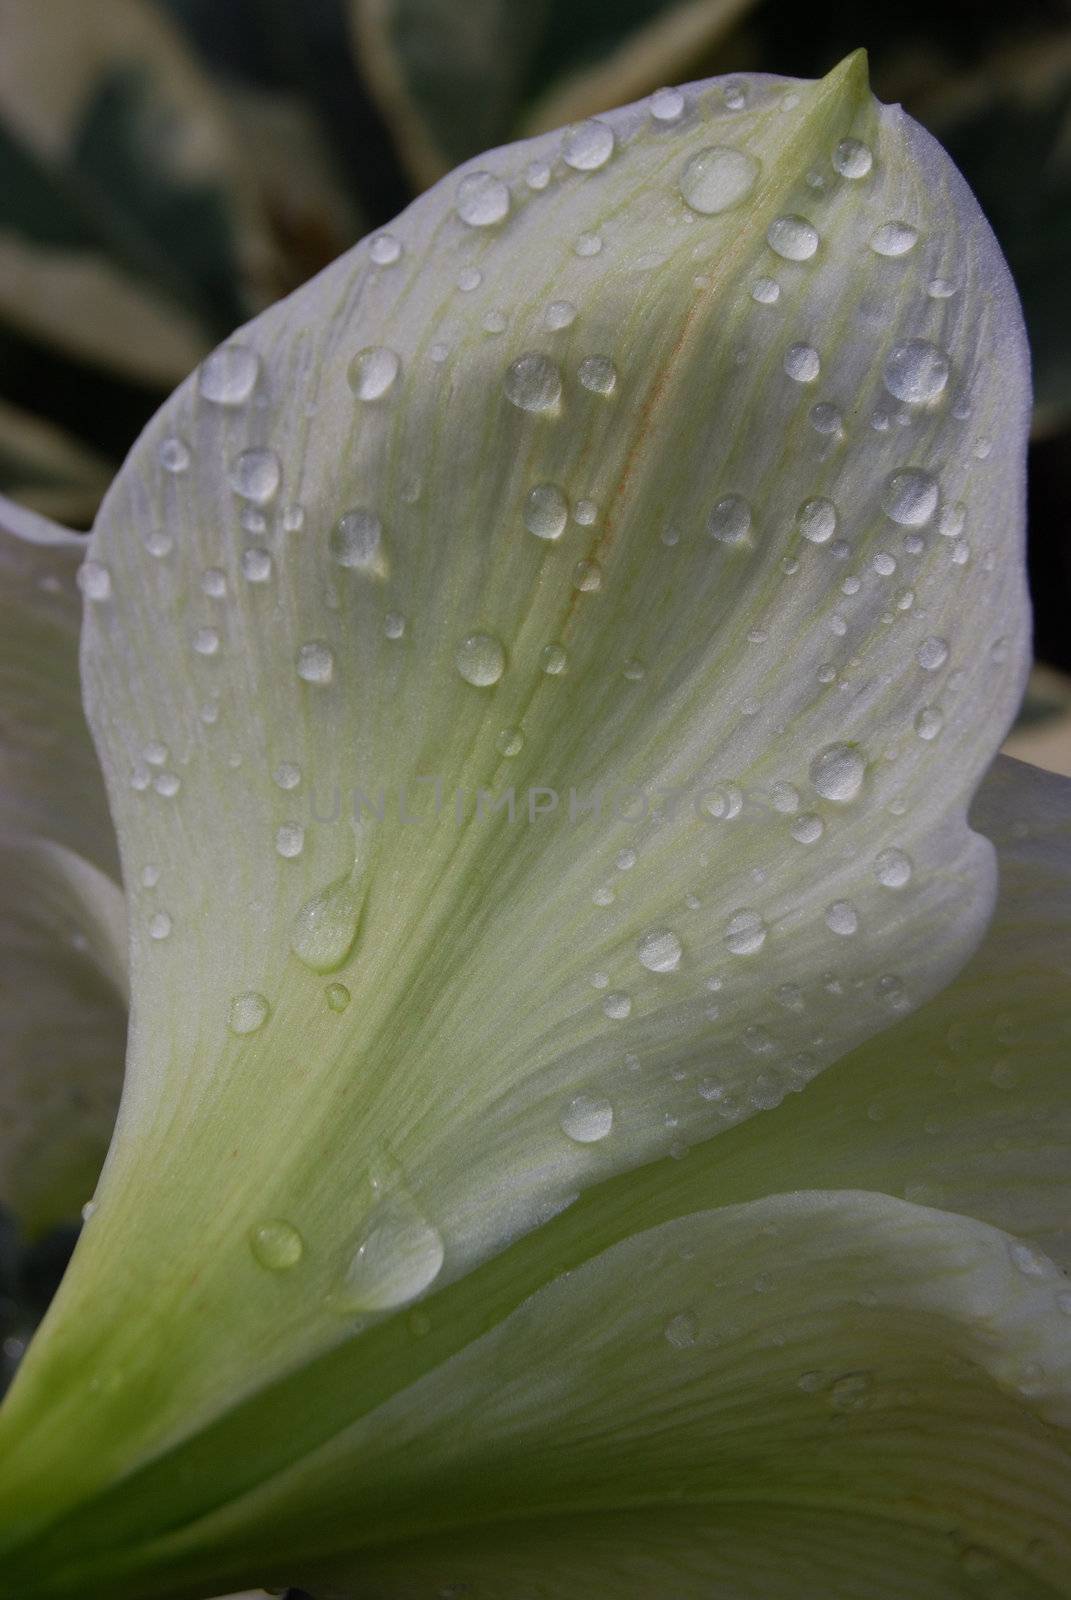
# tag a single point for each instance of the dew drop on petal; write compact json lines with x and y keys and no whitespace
{"x":337,"y":996}
{"x":837,"y":772}
{"x":892,"y":868}
{"x":385,"y":249}
{"x":248,"y":1012}
{"x":315,"y":662}
{"x":373,"y":371}
{"x":276,"y":1245}
{"x":289,"y":840}
{"x":587,"y":1119}
{"x":745,"y":933}
{"x":399,"y":1255}
{"x":916,"y":371}
{"x":932,"y":654}
{"x":730,"y":519}
{"x":482,"y":199}
{"x":94,"y":580}
{"x":598,"y":374}
{"x":159,"y":925}
{"x":802,"y":363}
{"x":324,"y":930}
{"x":910,"y":497}
{"x":174,"y":454}
{"x":588,"y":146}
{"x":659,"y":950}
{"x":546,"y":511}
{"x":255,"y":475}
{"x":766,"y":291}
{"x":928,"y":722}
{"x":256,"y":565}
{"x":481,"y":660}
{"x":617,"y":1005}
{"x":852,"y":158}
{"x":356,"y":538}
{"x":817,"y":520}
{"x":667,"y":105}
{"x":718,"y":178}
{"x":533,"y":383}
{"x":228,"y":376}
{"x":792,"y":238}
{"x":842,"y":918}
{"x":894,"y":239}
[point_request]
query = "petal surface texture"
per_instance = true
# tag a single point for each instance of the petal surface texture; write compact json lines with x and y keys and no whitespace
{"x":642,"y":460}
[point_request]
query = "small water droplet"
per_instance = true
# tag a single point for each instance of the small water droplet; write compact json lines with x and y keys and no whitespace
{"x":587,"y":244}
{"x":730,"y":519}
{"x":290,"y":840}
{"x":910,"y":497}
{"x":932,"y":654}
{"x":588,"y":146}
{"x":894,"y":239}
{"x":559,"y":314}
{"x":228,"y":376}
{"x":792,"y":238}
{"x":837,"y":772}
{"x":842,"y":918}
{"x":916,"y":371}
{"x":537,"y":175}
{"x":159,"y":543}
{"x":852,"y":158}
{"x":249,"y":1012}
{"x":255,"y":475}
{"x":510,"y":742}
{"x":315,"y":662}
{"x":745,"y":933}
{"x":585,"y":512}
{"x":373,"y":371}
{"x":399,"y":1255}
{"x":928,"y":722}
{"x":174,"y":454}
{"x":324,"y":930}
{"x":546,"y":511}
{"x":717,"y":178}
{"x":159,"y":925}
{"x":256,"y":565}
{"x":482,"y":199}
{"x":276,"y":1245}
{"x":287,"y":775}
{"x":94,"y":580}
{"x":214,"y":583}
{"x":337,"y":996}
{"x":206,"y":642}
{"x":598,"y":374}
{"x":659,"y":950}
{"x":817,"y":520}
{"x":892,"y":868}
{"x":468,"y":279}
{"x":293,"y":518}
{"x":802,"y":363}
{"x":617,"y":1005}
{"x":481,"y":660}
{"x":533,"y":383}
{"x":667,"y":105}
{"x":385,"y":249}
{"x":766,"y":291}
{"x":587,"y":577}
{"x":167,"y":784}
{"x":553,"y":660}
{"x":394,"y":625}
{"x":356,"y":539}
{"x":587,"y":1119}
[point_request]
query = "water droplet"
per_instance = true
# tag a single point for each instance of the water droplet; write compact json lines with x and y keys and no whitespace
{"x":315,"y":662}
{"x":249,"y":1012}
{"x":730,"y":519}
{"x":842,"y":918}
{"x":588,"y":146}
{"x":510,"y":742}
{"x":659,"y":950}
{"x":255,"y":475}
{"x":159,"y":925}
{"x":932,"y":654}
{"x":892,"y":868}
{"x":276,"y":1245}
{"x":852,"y":158}
{"x":399,"y":1256}
{"x":480,"y":659}
{"x":293,"y":518}
{"x":717,"y":178}
{"x":634,"y":671}
{"x":598,"y":374}
{"x":587,"y":1119}
{"x":337,"y":996}
{"x":682,"y":1331}
{"x":837,"y":772}
{"x":537,"y":175}
{"x":802,"y":363}
{"x":807,"y":829}
{"x":214,"y":583}
{"x":533,"y":383}
{"x":373,"y":371}
{"x":468,"y":279}
{"x":792,"y":238}
{"x":928,"y":722}
{"x":256,"y":565}
{"x":385,"y":249}
{"x":617,"y":1005}
{"x":916,"y":371}
{"x":941,"y":288}
{"x":766,"y":291}
{"x":356,"y":538}
{"x":94,"y":580}
{"x":546,"y":511}
{"x":559,"y":314}
{"x":817,"y":520}
{"x":394,"y":625}
{"x":910,"y":497}
{"x":174,"y":454}
{"x":894,"y":239}
{"x":206,"y":642}
{"x":585,"y":512}
{"x":725,"y":802}
{"x":587,"y":244}
{"x":228,"y":376}
{"x":287,"y":775}
{"x":553,"y":660}
{"x":785,"y":797}
{"x":482,"y":199}
{"x":745,"y":933}
{"x":587,"y":577}
{"x":1030,"y":1262}
{"x":325,"y":929}
{"x":667,"y":105}
{"x":290,"y":840}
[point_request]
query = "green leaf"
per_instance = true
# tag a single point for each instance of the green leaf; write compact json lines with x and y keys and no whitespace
{"x":542,"y":498}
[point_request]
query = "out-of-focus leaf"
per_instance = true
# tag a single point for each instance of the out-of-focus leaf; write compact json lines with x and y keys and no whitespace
{"x":1042,"y":734}
{"x":47,"y":470}
{"x":453,"y":80}
{"x":664,"y":49}
{"x":80,"y":302}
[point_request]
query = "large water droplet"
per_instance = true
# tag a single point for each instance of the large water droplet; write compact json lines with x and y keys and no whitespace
{"x":255,"y":475}
{"x":587,"y":1119}
{"x":373,"y":371}
{"x":659,"y":950}
{"x":837,"y":772}
{"x":481,"y":660}
{"x":916,"y":371}
{"x":356,"y":538}
{"x":817,"y":520}
{"x":730,"y":519}
{"x":546,"y":511}
{"x":717,"y":178}
{"x":482,"y":199}
{"x":276,"y":1245}
{"x":228,"y":376}
{"x":588,"y":146}
{"x":325,"y":929}
{"x":533,"y":383}
{"x":399,"y":1255}
{"x":248,"y":1012}
{"x":792,"y":238}
{"x":910,"y":497}
{"x":802,"y":363}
